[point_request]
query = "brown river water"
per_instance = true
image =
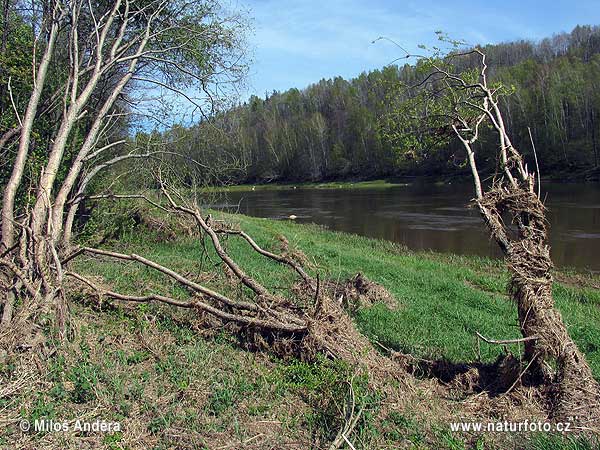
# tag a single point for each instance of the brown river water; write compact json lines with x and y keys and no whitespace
{"x":432,"y":217}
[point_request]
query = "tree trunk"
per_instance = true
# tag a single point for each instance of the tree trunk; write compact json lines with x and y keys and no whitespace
{"x":528,"y":256}
{"x":10,"y":192}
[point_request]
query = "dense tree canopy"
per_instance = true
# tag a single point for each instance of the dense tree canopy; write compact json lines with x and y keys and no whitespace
{"x":333,"y":129}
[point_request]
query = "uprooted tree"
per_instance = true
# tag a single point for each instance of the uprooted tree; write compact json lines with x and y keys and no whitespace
{"x":447,"y":104}
{"x":115,"y":49}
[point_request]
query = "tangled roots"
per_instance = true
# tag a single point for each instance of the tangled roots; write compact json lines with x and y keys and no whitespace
{"x":573,"y":390}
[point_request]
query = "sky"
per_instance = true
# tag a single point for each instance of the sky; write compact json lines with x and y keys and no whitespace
{"x":298,"y":42}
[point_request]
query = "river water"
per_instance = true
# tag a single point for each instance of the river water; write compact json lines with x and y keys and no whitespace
{"x":433,"y":217}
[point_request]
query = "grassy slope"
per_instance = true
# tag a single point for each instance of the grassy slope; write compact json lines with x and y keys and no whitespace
{"x":444,"y":299}
{"x":169,"y":383}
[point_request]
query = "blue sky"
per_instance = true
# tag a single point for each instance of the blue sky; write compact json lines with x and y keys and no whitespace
{"x":298,"y":42}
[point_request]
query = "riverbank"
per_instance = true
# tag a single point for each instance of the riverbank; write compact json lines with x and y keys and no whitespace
{"x":443,"y":299}
{"x":172,"y":380}
{"x":370,"y":184}
{"x":589,"y":176}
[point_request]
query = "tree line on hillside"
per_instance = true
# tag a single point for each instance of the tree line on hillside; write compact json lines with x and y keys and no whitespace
{"x":332,"y":129}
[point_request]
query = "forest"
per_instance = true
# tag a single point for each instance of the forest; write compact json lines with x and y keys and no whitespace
{"x":332,"y":130}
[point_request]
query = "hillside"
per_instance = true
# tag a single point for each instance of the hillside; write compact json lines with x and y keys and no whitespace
{"x":332,"y":129}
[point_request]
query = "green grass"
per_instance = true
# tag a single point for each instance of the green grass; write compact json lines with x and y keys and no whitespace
{"x":156,"y":377}
{"x":443,"y":299}
{"x":160,"y":373}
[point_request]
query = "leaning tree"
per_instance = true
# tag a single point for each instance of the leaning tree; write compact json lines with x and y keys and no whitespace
{"x":94,"y":66}
{"x":462,"y":104}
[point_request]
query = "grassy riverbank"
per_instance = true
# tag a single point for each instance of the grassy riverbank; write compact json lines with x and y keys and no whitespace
{"x":371,"y":184}
{"x":590,"y":176}
{"x":443,"y":299}
{"x":171,"y":381}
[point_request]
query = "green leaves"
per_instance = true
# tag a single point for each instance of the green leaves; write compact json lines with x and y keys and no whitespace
{"x":450,"y":99}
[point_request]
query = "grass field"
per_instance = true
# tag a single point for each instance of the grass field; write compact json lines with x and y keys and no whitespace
{"x":174,"y":384}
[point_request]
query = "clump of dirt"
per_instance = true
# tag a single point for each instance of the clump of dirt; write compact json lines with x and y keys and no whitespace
{"x":352,"y":294}
{"x":158,"y":227}
{"x":360,"y":292}
{"x":165,"y":229}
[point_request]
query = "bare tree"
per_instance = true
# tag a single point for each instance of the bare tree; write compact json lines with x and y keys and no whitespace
{"x":447,"y":103}
{"x":125,"y":45}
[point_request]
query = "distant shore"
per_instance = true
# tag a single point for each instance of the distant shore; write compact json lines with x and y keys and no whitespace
{"x":589,"y":176}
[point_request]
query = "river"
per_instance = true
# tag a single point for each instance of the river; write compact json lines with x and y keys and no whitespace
{"x":433,"y":217}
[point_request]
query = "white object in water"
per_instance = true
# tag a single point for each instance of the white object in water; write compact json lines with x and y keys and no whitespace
{"x":292,"y":217}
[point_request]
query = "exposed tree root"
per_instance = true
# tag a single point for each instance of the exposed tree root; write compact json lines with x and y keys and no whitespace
{"x":269,"y":322}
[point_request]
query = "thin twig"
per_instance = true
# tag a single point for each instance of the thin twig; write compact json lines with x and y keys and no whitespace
{"x":537,"y":166}
{"x":521,"y":375}
{"x":505,"y":341}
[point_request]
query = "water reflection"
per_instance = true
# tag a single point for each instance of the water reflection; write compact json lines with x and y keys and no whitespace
{"x":425,"y":217}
